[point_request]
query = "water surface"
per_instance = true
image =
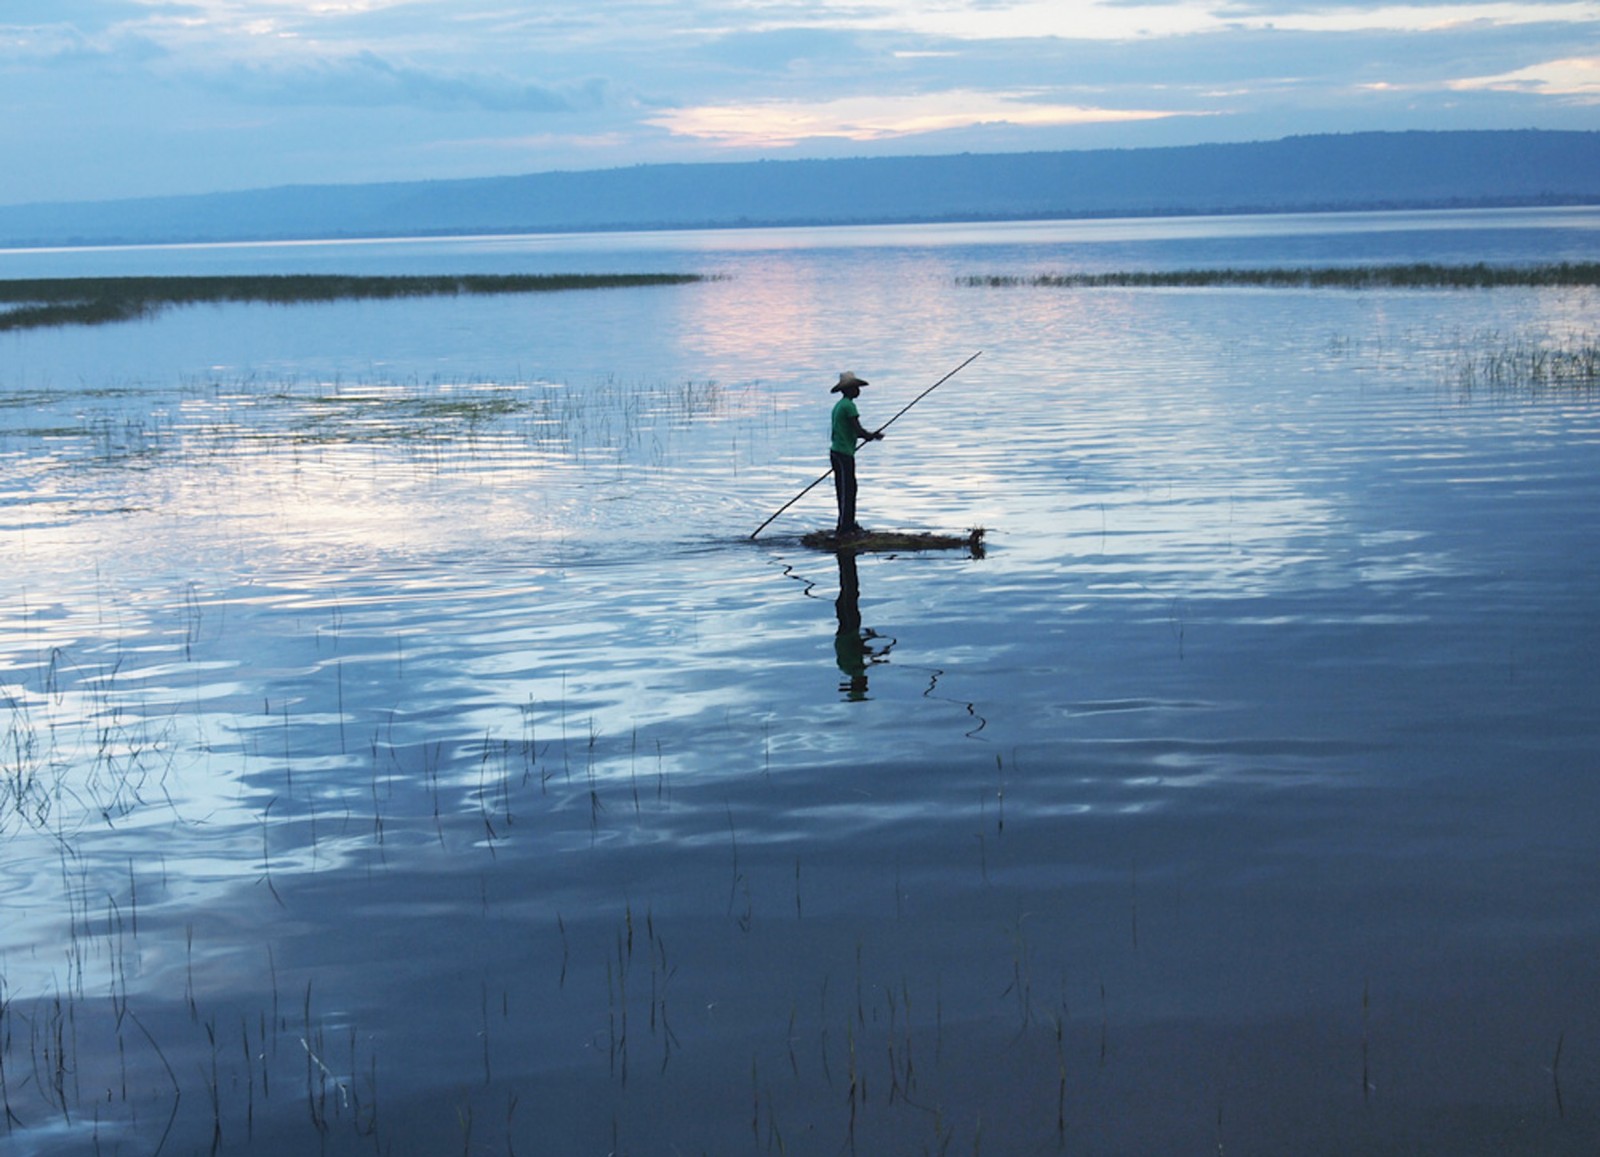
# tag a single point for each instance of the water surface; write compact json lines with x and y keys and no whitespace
{"x":408,"y":749}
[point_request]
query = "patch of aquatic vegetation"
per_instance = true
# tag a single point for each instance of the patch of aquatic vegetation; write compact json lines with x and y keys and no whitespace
{"x":1412,"y":276}
{"x":1523,"y":364}
{"x":35,"y":303}
{"x":610,"y":414}
{"x":206,"y":420}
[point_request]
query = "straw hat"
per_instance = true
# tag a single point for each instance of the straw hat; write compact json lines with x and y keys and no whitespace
{"x":847,"y":379}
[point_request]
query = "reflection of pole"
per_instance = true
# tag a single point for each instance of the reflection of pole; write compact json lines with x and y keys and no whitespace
{"x":879,"y":430}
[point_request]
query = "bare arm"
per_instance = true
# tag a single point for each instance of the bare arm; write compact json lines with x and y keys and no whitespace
{"x":862,"y":432}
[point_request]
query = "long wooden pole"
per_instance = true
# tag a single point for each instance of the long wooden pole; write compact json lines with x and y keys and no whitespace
{"x":879,"y":430}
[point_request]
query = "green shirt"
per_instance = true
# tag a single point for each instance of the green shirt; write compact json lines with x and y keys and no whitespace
{"x":846,"y":420}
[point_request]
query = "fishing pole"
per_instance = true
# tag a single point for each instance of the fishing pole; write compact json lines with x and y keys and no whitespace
{"x":928,"y":391}
{"x":879,"y":430}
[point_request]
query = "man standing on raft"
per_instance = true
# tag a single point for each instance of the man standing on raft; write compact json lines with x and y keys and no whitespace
{"x":847,"y":429}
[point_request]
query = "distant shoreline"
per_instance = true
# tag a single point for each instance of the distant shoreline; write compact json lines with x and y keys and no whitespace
{"x":1457,"y":204}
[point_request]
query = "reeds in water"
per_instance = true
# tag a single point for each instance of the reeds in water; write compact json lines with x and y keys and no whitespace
{"x":1416,"y":275}
{"x":35,"y":303}
{"x":1529,"y":365}
{"x":433,"y":421}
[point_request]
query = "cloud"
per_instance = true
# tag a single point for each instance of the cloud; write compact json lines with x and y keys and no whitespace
{"x":1576,"y":76}
{"x":368,"y":80}
{"x":978,"y":21}
{"x":874,"y":118}
{"x":1033,"y":19}
{"x":811,"y":50}
{"x":68,"y":45}
{"x":1401,"y":14}
{"x":1423,"y":16}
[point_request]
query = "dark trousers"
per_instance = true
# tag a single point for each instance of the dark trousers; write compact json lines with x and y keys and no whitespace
{"x":844,"y":489}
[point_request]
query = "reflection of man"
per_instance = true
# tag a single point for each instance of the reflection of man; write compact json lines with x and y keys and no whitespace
{"x":847,"y":431}
{"x":850,"y":649}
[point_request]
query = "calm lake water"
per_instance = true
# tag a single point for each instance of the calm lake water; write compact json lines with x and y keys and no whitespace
{"x":406,"y":749}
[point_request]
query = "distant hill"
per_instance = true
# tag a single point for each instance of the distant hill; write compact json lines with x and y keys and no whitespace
{"x":1346,"y":171}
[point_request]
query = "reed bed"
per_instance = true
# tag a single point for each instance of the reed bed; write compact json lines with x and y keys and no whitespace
{"x":1423,"y":275}
{"x":35,"y":303}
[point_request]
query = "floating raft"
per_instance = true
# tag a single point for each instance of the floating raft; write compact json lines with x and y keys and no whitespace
{"x":880,"y":541}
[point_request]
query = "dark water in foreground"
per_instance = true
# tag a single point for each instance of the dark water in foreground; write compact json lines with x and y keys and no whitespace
{"x":406,"y":750}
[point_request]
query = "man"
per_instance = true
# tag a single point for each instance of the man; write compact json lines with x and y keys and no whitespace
{"x":847,"y":430}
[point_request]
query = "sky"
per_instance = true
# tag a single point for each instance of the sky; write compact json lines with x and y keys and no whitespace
{"x":105,"y":99}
